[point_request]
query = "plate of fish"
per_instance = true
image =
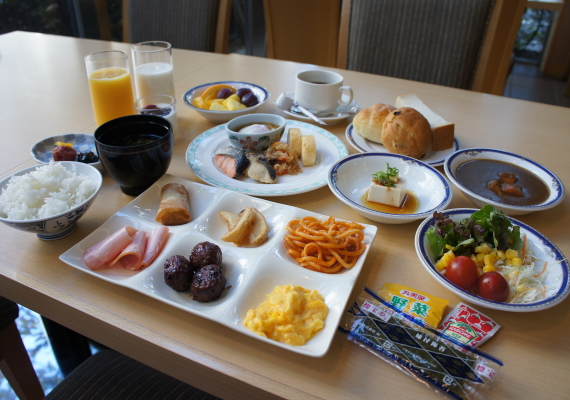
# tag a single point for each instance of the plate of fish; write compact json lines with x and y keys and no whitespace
{"x":242,"y":274}
{"x":432,"y":158}
{"x":251,"y":173}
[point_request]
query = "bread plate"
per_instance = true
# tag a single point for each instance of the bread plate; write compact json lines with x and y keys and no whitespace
{"x":556,"y":278}
{"x":251,"y":272}
{"x":432,"y":158}
{"x":200,"y":159}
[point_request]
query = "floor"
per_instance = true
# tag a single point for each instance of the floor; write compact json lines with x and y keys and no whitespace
{"x":525,"y":82}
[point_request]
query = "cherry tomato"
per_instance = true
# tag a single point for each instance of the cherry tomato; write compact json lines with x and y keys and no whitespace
{"x":493,"y":286}
{"x":463,"y":272}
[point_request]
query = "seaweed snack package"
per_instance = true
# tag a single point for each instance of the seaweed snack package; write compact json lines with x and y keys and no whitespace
{"x":418,"y":304}
{"x":446,"y":365}
{"x":468,"y":326}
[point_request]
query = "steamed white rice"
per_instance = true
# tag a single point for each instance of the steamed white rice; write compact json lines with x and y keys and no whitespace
{"x":49,"y":190}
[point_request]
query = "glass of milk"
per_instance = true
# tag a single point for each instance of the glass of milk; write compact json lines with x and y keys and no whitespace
{"x":152,"y":63}
{"x":159,"y":104}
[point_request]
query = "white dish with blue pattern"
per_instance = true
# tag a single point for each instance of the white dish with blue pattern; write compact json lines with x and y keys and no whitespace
{"x":554,"y":184}
{"x":62,"y":224}
{"x":432,"y":158}
{"x":260,"y":92}
{"x":557,"y":270}
{"x":82,"y":143}
{"x":200,"y":159}
{"x":350,"y":178}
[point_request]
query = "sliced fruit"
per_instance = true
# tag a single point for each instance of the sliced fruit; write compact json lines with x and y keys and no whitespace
{"x":212,"y":92}
{"x":199,"y":102}
{"x":233,"y":105}
{"x":215,"y":106}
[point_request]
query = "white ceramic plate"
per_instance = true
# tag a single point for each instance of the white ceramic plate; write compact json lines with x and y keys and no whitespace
{"x":433,"y":158}
{"x":200,"y":158}
{"x":556,"y":274}
{"x":82,"y":143}
{"x":349,"y":180}
{"x":346,"y":111}
{"x":555,"y":185}
{"x":252,"y":272}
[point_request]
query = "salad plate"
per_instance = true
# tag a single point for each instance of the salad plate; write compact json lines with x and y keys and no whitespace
{"x":200,"y":159}
{"x":251,"y":272}
{"x":555,"y":276}
{"x":345,"y":112}
{"x":432,"y":158}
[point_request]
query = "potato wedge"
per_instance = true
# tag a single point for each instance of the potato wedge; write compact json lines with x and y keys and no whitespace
{"x":242,"y":227}
{"x":259,"y":231}
{"x":231,"y":218}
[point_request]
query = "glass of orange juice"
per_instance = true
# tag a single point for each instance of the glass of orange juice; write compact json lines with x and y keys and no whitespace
{"x":110,"y":85}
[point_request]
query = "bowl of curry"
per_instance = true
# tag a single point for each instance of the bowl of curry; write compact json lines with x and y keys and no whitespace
{"x":513,"y":183}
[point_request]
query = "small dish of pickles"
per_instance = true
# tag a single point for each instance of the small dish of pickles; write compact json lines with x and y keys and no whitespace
{"x":225,"y":100}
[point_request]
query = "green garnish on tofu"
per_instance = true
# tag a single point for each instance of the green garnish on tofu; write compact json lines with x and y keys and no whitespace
{"x":388,"y":177}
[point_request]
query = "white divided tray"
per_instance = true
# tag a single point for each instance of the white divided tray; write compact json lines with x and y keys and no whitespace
{"x":251,"y":272}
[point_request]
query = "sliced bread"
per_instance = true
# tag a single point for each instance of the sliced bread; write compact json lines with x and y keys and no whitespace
{"x":443,"y":130}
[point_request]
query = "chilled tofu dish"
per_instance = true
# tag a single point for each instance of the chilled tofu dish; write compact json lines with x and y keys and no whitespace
{"x":387,"y":187}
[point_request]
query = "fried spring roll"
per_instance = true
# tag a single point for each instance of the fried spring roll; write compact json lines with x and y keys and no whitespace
{"x":174,"y":206}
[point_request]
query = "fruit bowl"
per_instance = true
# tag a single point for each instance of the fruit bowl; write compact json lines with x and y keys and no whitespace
{"x":260,"y":93}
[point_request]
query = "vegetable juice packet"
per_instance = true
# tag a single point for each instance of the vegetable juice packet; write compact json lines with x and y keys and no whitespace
{"x":468,"y":326}
{"x":418,"y":304}
{"x":446,"y":365}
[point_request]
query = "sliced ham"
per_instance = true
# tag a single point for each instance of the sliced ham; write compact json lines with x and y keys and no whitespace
{"x":131,"y":257}
{"x":108,"y":249}
{"x":154,"y":243}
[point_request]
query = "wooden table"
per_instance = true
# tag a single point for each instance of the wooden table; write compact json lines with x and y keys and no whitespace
{"x":44,"y":92}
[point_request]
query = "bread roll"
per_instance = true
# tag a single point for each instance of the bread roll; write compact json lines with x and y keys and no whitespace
{"x":369,"y":121}
{"x":406,"y":131}
{"x":309,"y":150}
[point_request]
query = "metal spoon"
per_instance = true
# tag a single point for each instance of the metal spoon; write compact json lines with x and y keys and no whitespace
{"x":285,"y":102}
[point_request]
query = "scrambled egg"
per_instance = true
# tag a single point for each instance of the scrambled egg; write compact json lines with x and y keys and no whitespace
{"x":290,"y":315}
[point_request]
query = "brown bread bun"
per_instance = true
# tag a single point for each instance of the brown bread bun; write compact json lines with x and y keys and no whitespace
{"x":368,"y":122}
{"x":407,"y":132}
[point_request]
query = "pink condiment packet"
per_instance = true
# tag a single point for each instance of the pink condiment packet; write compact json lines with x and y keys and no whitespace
{"x":468,"y":326}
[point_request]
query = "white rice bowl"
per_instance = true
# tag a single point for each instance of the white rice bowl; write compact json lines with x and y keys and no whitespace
{"x":50,"y":198}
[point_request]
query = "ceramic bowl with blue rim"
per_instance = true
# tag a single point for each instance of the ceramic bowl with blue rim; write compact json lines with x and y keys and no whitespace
{"x":555,"y":277}
{"x":62,"y":224}
{"x":349,"y":179}
{"x":261,"y":93}
{"x":82,"y":143}
{"x":554,"y":184}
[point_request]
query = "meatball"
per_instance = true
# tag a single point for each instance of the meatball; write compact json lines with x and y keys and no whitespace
{"x":178,"y":273}
{"x":208,"y":283}
{"x":205,"y":253}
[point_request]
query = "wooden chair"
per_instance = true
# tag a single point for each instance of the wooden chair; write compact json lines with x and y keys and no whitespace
{"x":109,"y":375}
{"x":194,"y":25}
{"x":303,"y":31}
{"x":14,"y":360}
{"x":463,"y":44}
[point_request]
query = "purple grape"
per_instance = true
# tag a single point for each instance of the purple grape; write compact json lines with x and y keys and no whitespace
{"x":249,"y":100}
{"x":243,"y":91}
{"x":224,"y":93}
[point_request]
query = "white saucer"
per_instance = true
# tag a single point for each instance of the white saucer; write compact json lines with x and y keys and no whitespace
{"x":352,"y":107}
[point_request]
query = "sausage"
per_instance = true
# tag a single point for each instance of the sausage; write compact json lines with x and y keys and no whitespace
{"x":205,"y":253}
{"x":208,"y":283}
{"x":178,"y":273}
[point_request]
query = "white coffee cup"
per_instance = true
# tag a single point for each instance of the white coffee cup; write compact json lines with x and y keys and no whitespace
{"x":320,"y":90}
